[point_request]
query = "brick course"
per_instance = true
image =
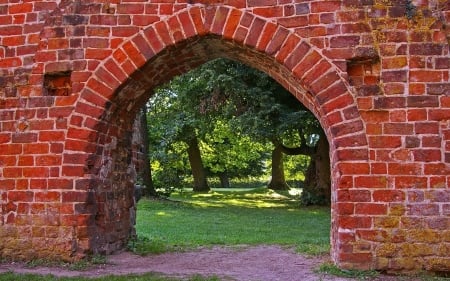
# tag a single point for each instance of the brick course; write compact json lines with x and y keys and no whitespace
{"x":375,"y":73}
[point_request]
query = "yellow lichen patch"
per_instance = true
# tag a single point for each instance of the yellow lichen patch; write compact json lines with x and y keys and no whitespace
{"x":415,"y":250}
{"x":396,"y":209}
{"x":443,"y":249}
{"x":383,"y":3}
{"x":387,"y":250}
{"x":405,"y":263}
{"x":438,"y":264}
{"x":381,"y":263}
{"x":445,"y":236}
{"x":421,"y":22}
{"x":386,"y":222}
{"x":423,"y":235}
{"x":395,"y":62}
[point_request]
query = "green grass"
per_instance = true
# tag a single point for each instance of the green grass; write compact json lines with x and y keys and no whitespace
{"x":250,"y":217}
{"x":75,"y":266}
{"x":332,"y":269}
{"x":144,"y":277}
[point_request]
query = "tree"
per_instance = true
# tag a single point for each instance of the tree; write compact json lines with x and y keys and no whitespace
{"x":317,"y":185}
{"x":172,"y":121}
{"x":146,"y":171}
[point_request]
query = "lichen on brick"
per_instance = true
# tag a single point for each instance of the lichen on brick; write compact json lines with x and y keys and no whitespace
{"x":387,"y":250}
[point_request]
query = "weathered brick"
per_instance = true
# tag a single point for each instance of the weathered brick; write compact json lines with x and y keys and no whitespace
{"x":255,"y":32}
{"x":352,"y":222}
{"x":144,"y":20}
{"x":344,"y":41}
{"x":17,"y":196}
{"x":426,"y":49}
{"x":269,"y":12}
{"x":371,"y":181}
{"x":388,"y":196}
{"x":277,"y":41}
{"x":286,"y":49}
{"x":24,"y":137}
{"x":378,"y":85}
{"x":385,"y":141}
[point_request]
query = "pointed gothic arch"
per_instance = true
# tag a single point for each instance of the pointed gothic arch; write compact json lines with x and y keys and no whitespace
{"x":121,"y":83}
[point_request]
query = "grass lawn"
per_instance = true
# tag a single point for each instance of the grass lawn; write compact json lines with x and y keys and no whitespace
{"x":250,"y":216}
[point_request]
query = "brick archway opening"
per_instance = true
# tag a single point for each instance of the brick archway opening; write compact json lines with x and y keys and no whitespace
{"x":108,"y":180}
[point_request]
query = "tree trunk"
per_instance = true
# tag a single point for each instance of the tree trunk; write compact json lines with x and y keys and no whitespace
{"x":318,"y":178}
{"x":146,"y":172}
{"x":224,"y":180}
{"x":278,"y":180}
{"x":198,"y":171}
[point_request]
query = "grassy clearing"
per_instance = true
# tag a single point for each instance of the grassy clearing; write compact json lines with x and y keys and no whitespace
{"x":250,"y":216}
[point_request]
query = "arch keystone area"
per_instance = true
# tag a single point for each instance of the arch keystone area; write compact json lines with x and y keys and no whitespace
{"x":73,"y":75}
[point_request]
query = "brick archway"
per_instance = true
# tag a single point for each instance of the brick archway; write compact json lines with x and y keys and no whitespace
{"x":123,"y":83}
{"x":376,"y":75}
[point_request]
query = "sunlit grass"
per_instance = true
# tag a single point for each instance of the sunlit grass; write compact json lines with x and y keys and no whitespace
{"x":253,"y":198}
{"x":250,"y":217}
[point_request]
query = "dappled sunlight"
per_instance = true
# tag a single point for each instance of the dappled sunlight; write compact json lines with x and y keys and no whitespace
{"x":295,"y":191}
{"x":245,"y":217}
{"x":206,"y":195}
{"x":163,"y":214}
{"x":250,"y":217}
{"x":240,"y":203}
{"x":245,"y":198}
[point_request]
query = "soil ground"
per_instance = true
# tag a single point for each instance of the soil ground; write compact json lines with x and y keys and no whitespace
{"x":245,"y":263}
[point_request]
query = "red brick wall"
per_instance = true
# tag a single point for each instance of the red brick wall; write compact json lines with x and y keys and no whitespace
{"x":375,"y":73}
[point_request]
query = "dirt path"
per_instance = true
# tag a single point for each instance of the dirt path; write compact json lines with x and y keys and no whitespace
{"x":258,"y":263}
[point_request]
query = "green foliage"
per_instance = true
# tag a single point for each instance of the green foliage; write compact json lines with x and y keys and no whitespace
{"x":329,"y":268}
{"x":294,"y":168}
{"x":234,"y":111}
{"x":249,"y":216}
{"x":225,"y":151}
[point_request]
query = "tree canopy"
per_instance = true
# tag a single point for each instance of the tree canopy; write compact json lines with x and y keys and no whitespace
{"x":235,"y":116}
